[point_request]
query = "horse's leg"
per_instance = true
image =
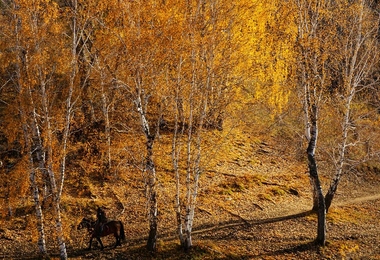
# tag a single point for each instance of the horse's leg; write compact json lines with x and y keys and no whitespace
{"x":117,"y":240}
{"x":89,"y":246}
{"x":100,"y":242}
{"x":119,"y":235}
{"x":120,"y":232}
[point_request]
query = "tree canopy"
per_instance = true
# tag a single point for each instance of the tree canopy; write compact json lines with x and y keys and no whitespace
{"x":102,"y":88}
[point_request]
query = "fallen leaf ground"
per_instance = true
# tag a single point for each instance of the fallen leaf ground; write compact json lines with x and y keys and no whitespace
{"x":257,"y":210}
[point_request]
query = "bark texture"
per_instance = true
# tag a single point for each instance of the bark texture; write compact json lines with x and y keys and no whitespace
{"x":313,"y":171}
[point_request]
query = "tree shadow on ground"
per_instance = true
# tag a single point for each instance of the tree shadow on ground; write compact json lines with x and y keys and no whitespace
{"x":250,"y":223}
{"x":135,"y":248}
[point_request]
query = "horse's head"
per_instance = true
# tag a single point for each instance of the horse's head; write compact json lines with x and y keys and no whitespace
{"x":85,"y":223}
{"x":81,"y":224}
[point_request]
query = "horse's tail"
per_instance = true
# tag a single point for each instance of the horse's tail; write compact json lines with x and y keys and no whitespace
{"x":122,"y":233}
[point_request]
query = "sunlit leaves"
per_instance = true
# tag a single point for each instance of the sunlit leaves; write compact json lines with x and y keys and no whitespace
{"x":267,"y":36}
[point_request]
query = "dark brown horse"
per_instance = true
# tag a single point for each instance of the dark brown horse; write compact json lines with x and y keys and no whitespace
{"x":114,"y":227}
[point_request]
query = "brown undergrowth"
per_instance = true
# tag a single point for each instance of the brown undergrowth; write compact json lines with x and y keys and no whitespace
{"x":250,"y":207}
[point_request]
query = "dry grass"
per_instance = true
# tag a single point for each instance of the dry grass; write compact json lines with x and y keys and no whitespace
{"x":251,"y":194}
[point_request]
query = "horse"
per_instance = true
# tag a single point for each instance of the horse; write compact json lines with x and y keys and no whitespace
{"x":114,"y":227}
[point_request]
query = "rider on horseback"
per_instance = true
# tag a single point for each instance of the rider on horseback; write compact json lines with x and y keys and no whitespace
{"x":102,"y":227}
{"x":101,"y":219}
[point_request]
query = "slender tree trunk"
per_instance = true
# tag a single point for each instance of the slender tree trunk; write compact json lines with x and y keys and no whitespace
{"x":84,"y":72}
{"x":176,"y":152}
{"x":33,"y":141}
{"x":34,"y":187}
{"x":358,"y":65}
{"x":342,"y":152}
{"x":39,"y":152}
{"x":194,"y":153}
{"x":306,"y":102}
{"x":49,"y":161}
{"x":313,"y":171}
{"x":321,"y":229}
{"x":69,"y":102}
{"x":150,"y":169}
{"x":105,"y":109}
{"x":30,"y":130}
{"x":188,"y":217}
{"x":152,"y":197}
{"x":37,"y":206}
{"x":64,"y":143}
{"x":178,"y":187}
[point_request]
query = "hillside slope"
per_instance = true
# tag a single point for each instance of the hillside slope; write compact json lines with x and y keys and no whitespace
{"x":254,"y":207}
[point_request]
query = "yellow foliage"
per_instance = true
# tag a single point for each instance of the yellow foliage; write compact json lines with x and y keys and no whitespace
{"x":239,"y":55}
{"x":267,"y":36}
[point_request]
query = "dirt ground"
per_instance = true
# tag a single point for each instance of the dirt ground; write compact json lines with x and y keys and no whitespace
{"x":352,"y":233}
{"x":259,"y":211}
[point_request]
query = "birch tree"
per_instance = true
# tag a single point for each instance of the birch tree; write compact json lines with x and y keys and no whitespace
{"x":36,"y":67}
{"x":186,"y":151}
{"x":42,"y":80}
{"x":149,"y":168}
{"x":68,"y":114}
{"x":201,"y":93}
{"x":141,"y":74}
{"x":313,"y":79}
{"x":338,"y":51}
{"x":92,"y":23}
{"x":49,"y":164}
{"x":358,"y":49}
{"x":20,"y":81}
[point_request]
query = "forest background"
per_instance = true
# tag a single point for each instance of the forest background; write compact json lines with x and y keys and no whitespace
{"x":155,"y":110}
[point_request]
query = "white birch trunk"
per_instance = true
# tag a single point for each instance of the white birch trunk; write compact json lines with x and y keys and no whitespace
{"x":105,"y":109}
{"x":342,"y":151}
{"x":361,"y":56}
{"x":313,"y":171}
{"x":176,"y":153}
{"x":308,"y":25}
{"x":150,"y":169}
{"x":34,"y":186}
{"x":49,"y":161}
{"x":29,"y":129}
{"x":312,"y":81}
{"x":66,"y":130}
{"x":189,"y":215}
{"x":64,"y":144}
{"x":194,"y":157}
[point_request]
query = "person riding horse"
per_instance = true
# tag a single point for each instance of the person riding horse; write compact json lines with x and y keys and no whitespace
{"x":101,"y":219}
{"x":103,"y":227}
{"x":113,"y":227}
